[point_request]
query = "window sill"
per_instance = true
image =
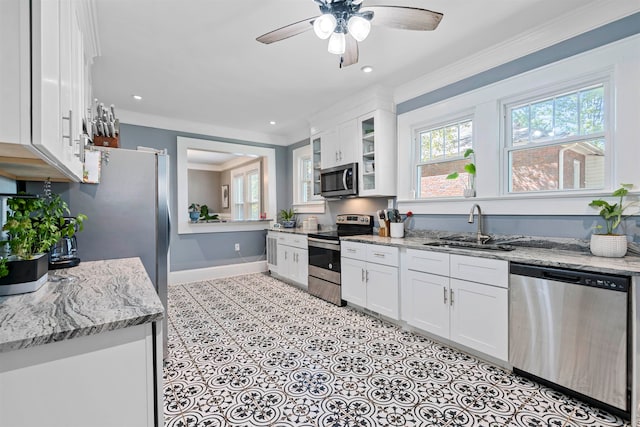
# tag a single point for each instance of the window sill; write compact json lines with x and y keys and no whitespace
{"x":513,"y":204}
{"x":310,"y":207}
{"x":223,"y":227}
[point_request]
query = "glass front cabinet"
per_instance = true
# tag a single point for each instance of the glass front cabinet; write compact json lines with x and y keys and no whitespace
{"x":316,"y":150}
{"x":377,"y":148}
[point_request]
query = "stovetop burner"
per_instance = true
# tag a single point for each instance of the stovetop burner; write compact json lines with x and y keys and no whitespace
{"x":348,"y":225}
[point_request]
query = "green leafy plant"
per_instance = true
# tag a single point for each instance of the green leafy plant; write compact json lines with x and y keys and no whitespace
{"x":470,"y":168}
{"x":287,"y":215}
{"x":613,"y":213}
{"x":34,"y":225}
{"x":204,"y":213}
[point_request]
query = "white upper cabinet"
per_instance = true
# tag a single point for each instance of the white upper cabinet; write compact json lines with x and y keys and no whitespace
{"x":338,"y":145}
{"x":53,"y":102}
{"x":376,"y":146}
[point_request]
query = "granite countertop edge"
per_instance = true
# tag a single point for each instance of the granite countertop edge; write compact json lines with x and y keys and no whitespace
{"x":629,"y":265}
{"x":104,"y":296}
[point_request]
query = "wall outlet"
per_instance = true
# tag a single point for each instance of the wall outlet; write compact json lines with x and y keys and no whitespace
{"x":237,"y":247}
{"x":390,"y":203}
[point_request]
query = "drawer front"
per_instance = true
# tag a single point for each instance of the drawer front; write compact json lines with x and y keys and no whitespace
{"x":428,"y":262}
{"x":385,"y":255}
{"x":295,"y":240}
{"x":353,"y":250}
{"x":482,"y":270}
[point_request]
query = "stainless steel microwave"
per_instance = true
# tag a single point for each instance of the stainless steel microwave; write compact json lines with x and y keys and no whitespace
{"x":340,"y":181}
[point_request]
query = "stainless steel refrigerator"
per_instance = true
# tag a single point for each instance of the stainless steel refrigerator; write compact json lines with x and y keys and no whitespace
{"x":128,"y":214}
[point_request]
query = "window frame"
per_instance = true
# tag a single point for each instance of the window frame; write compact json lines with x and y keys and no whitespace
{"x":316,"y":204}
{"x":244,"y":172}
{"x":441,"y":123}
{"x":540,"y":94}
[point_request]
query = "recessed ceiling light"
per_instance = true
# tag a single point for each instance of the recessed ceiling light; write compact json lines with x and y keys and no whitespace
{"x":136,"y":97}
{"x":272,"y":122}
{"x":367,"y":69}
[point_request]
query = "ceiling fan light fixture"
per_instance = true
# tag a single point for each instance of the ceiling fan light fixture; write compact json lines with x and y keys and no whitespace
{"x":358,"y":27}
{"x":337,"y":43}
{"x":324,"y":25}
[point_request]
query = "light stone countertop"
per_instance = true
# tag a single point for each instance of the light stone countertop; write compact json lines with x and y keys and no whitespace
{"x":548,"y":257}
{"x":101,"y":296}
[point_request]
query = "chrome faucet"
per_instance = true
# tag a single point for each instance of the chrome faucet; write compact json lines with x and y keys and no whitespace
{"x":482,"y":238}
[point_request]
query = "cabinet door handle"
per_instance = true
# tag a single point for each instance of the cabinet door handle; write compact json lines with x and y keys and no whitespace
{"x":70,"y":119}
{"x":337,"y":156}
{"x":362,"y":274}
{"x":367,"y":276}
{"x":285,"y":256}
{"x":451,"y":297}
{"x":444,"y":288}
{"x":340,"y":151}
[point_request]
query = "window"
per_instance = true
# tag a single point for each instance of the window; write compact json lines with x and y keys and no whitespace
{"x":245,"y":192}
{"x":303,"y":198}
{"x":440,"y":152}
{"x":557,"y":142}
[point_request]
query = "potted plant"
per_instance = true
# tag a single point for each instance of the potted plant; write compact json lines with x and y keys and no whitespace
{"x":470,"y":168}
{"x":288,"y":218}
{"x":610,"y":244}
{"x":194,"y":212}
{"x":204,"y":214}
{"x":33,"y":226}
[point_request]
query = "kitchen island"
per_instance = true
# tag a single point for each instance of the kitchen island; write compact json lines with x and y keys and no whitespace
{"x":85,"y":349}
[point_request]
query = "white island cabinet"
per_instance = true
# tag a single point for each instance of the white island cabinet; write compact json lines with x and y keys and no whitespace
{"x":83,"y":353}
{"x":457,"y":297}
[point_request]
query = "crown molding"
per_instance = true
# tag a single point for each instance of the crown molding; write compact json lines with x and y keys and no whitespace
{"x":561,"y":28}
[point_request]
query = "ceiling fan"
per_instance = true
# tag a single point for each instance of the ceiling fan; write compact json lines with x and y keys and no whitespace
{"x":346,"y":22}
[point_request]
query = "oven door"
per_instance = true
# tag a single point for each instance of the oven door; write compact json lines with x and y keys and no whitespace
{"x":324,"y":259}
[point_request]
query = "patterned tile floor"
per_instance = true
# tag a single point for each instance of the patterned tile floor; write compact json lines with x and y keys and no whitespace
{"x":254,"y":351}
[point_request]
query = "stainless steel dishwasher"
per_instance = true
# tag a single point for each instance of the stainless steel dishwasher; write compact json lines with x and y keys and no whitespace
{"x":570,"y":329}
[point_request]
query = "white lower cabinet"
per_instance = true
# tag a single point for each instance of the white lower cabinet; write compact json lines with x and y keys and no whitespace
{"x":293,"y":258}
{"x":102,"y":380}
{"x":468,"y":312}
{"x":369,"y":277}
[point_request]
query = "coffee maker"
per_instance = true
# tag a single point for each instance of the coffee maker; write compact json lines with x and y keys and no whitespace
{"x":64,"y":253}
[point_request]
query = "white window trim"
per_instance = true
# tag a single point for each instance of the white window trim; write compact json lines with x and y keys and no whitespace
{"x":317,"y":203}
{"x":622,"y":143}
{"x":604,"y":77}
{"x":459,"y":117}
{"x":244,"y":171}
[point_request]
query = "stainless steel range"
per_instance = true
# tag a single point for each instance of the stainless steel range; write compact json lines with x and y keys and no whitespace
{"x":324,"y":255}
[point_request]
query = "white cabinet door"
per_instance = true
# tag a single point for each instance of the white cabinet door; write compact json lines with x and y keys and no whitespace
{"x":376,"y":147}
{"x":353,"y":283}
{"x":329,"y":151}
{"x":284,"y":260}
{"x":479,"y":317}
{"x":429,"y":300}
{"x":382,"y":289}
{"x":46,"y":84}
{"x":298,"y":267}
{"x":346,"y":142}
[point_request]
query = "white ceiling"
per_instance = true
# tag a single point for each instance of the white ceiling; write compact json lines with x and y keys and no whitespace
{"x":197,"y":61}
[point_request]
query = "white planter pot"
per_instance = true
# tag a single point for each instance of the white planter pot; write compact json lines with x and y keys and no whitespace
{"x":610,"y":246}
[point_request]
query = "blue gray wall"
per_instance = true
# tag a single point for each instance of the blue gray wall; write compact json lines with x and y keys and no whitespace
{"x":191,"y":251}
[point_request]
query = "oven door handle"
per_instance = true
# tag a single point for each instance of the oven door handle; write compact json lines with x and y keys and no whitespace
{"x":324,"y":244}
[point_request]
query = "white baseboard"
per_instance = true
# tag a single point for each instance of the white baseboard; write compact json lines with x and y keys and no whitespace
{"x":210,"y":273}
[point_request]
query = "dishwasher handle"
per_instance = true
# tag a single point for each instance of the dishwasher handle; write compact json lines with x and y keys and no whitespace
{"x":561,"y":276}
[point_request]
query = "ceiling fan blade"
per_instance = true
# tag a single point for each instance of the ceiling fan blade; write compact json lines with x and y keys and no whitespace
{"x":350,"y":55}
{"x":406,"y":18}
{"x":287,"y":31}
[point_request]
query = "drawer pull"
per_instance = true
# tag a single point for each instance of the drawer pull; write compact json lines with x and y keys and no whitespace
{"x":379,"y":255}
{"x":351,"y":250}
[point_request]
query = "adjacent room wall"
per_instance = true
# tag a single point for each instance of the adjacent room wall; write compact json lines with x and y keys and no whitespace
{"x":193,"y":251}
{"x":204,"y":189}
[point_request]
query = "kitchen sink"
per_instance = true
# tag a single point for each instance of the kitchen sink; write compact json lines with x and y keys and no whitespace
{"x":470,"y":245}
